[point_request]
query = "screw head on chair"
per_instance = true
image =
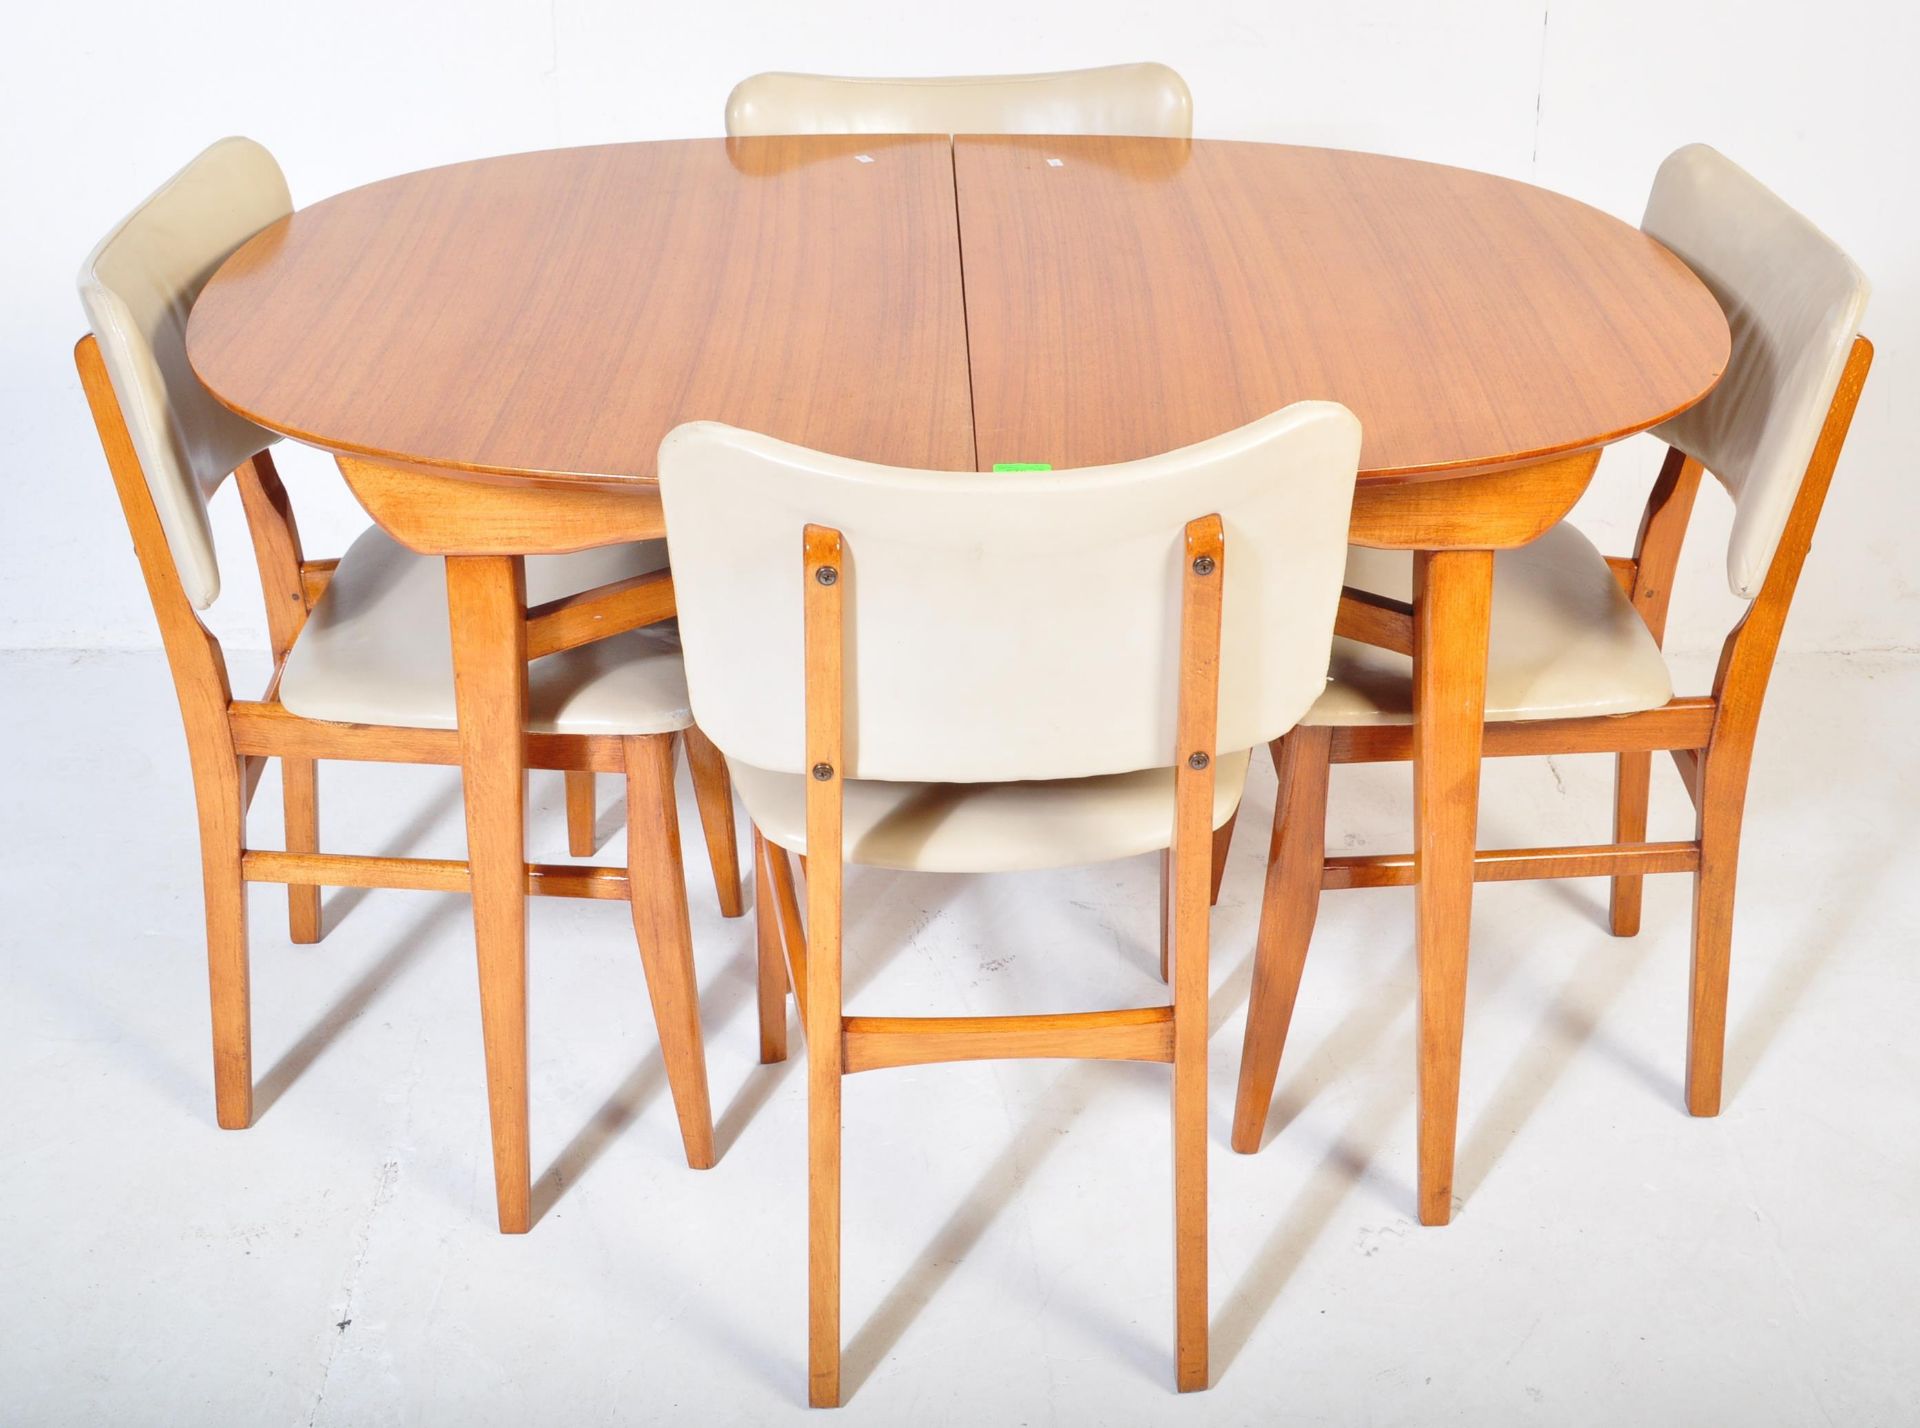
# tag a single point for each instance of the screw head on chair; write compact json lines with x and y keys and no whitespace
{"x":1203,"y":565}
{"x":1197,"y":759}
{"x":826,"y":574}
{"x":823,"y":772}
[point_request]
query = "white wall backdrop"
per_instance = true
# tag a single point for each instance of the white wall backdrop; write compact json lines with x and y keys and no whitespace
{"x":99,"y":103}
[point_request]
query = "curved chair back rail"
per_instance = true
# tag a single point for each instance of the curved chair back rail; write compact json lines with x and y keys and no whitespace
{"x":1007,"y":625}
{"x":138,"y":286}
{"x":1141,"y":100}
{"x":1794,"y":302}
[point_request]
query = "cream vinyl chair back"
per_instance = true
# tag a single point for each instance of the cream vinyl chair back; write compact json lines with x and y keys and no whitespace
{"x":1006,"y":626}
{"x":137,"y":287}
{"x":1143,"y":100}
{"x":1794,"y":302}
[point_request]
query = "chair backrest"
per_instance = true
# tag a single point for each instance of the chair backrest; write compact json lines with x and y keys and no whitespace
{"x":1004,"y":625}
{"x":1145,"y":100}
{"x":1794,"y":302}
{"x":138,"y":286}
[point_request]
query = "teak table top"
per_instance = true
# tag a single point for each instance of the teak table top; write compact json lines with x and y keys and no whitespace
{"x":1067,"y":300}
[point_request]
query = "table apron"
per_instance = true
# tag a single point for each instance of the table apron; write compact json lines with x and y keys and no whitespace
{"x":1493,"y":510}
{"x":438,"y":514}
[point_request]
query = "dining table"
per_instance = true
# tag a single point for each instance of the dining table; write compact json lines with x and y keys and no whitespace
{"x":493,"y":351}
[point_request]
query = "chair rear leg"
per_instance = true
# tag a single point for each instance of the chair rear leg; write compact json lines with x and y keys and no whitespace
{"x":824,"y":1077}
{"x":1287,"y":911}
{"x":1632,"y":774}
{"x":666,"y":939}
{"x":218,"y":792}
{"x":713,"y":792}
{"x":581,"y":811}
{"x":300,"y":793}
{"x":1190,"y":978}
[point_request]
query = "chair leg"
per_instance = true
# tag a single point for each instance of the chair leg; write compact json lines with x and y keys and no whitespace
{"x":218,"y":791}
{"x":666,"y":939}
{"x":1166,"y":916}
{"x":1722,"y":799}
{"x":823,"y":1131}
{"x":1190,"y":1124}
{"x":1222,"y":845}
{"x":1287,"y":913}
{"x":581,"y":812}
{"x":300,"y":793}
{"x":713,"y":792}
{"x":1632,"y":774}
{"x":772,"y":964}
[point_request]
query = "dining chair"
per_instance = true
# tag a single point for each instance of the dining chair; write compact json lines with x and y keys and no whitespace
{"x":1143,"y":100}
{"x":965,"y":672}
{"x":1574,"y":663}
{"x":362,"y":664}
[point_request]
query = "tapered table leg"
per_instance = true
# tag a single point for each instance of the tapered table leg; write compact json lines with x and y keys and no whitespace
{"x":1453,"y":594}
{"x":486,"y":601}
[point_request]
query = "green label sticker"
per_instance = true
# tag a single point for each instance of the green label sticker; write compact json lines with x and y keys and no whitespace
{"x":1021,"y":466}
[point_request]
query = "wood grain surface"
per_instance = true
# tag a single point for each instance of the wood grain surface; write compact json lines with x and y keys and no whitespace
{"x":557,"y":313}
{"x":560,"y":312}
{"x":1130,"y":296}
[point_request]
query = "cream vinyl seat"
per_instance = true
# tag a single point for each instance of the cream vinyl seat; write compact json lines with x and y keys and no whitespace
{"x":1143,"y":100}
{"x":377,"y":648}
{"x":991,"y":671}
{"x":1565,"y":641}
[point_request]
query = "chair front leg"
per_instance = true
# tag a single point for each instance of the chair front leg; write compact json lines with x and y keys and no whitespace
{"x":713,"y":792}
{"x":582,"y":839}
{"x":666,"y":939}
{"x":1632,"y":775}
{"x":1287,"y":913}
{"x":218,"y":788}
{"x":1166,"y":916}
{"x":300,"y":795}
{"x":1222,"y":845}
{"x":1723,"y":793}
{"x":771,"y":970}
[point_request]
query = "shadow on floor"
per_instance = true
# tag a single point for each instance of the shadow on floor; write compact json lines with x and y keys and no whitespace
{"x":1594,"y":982}
{"x":350,"y":1004}
{"x":721,"y":999}
{"x":990,"y":1195}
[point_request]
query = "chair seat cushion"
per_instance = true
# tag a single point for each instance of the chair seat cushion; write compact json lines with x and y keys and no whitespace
{"x":988,"y":827}
{"x":377,"y":648}
{"x":1564,"y":642}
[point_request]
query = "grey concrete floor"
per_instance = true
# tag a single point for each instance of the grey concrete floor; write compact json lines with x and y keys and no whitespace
{"x":1008,"y":1250}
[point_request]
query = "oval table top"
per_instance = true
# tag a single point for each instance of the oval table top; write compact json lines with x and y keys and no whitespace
{"x":950,"y":305}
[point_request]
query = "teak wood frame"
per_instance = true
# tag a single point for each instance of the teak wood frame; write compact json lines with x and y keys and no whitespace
{"x":1710,"y":739}
{"x":229,"y":742}
{"x":807,"y":959}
